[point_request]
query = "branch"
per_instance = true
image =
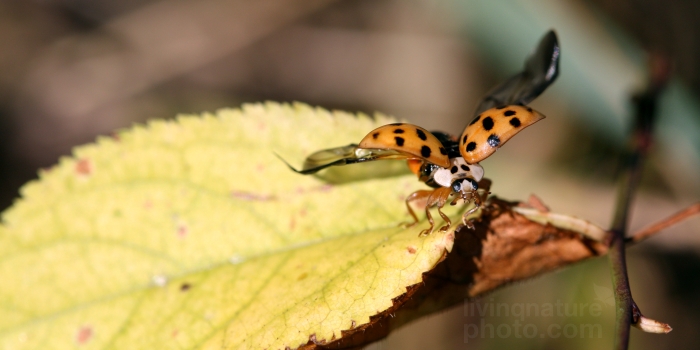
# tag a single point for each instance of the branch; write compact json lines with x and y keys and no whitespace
{"x":665,"y":223}
{"x":628,"y":312}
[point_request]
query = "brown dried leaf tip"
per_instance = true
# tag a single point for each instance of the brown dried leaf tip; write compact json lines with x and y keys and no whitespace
{"x":504,"y":247}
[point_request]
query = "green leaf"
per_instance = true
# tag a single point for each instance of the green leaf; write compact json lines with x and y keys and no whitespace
{"x":191,"y":234}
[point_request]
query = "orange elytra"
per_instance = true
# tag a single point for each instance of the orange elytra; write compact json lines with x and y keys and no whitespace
{"x":408,"y":139}
{"x":492,"y":129}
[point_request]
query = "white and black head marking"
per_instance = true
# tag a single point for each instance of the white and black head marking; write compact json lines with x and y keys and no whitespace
{"x":458,"y":170}
{"x":464,"y":186}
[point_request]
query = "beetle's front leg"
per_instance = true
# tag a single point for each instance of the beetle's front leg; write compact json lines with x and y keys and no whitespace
{"x":477,"y":205}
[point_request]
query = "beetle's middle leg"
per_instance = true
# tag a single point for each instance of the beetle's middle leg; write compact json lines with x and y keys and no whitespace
{"x":438,"y":198}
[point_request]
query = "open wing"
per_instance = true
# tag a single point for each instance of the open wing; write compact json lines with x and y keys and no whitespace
{"x":492,"y":129}
{"x":392,"y":141}
{"x":541,"y":69}
{"x":409,"y":139}
{"x":344,"y":155}
{"x":501,"y":114}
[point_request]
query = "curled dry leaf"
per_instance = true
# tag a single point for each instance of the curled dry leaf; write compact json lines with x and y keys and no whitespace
{"x":505,"y":247}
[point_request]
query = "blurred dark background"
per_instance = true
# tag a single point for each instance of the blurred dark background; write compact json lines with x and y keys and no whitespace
{"x":72,"y":70}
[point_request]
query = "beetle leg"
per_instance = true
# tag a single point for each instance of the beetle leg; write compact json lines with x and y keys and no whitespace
{"x":468,"y":223}
{"x":433,"y":199}
{"x":477,"y":204}
{"x":448,"y":222}
{"x":439,"y":198}
{"x":478,"y":198}
{"x":420,"y":195}
{"x":429,"y":230}
{"x":485,"y":185}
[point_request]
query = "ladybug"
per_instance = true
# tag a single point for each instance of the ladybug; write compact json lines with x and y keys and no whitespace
{"x":450,"y":165}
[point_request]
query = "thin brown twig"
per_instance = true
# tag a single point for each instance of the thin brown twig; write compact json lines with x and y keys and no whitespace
{"x":665,"y":223}
{"x":628,"y":312}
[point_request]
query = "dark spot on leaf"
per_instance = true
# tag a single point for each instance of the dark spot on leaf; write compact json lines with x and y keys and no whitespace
{"x":83,"y":167}
{"x":185,"y":287}
{"x":399,"y":141}
{"x":411,"y":250}
{"x":182,"y":230}
{"x":84,"y":335}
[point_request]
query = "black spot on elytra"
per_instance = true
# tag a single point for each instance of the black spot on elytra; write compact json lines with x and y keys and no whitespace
{"x":493,"y":140}
{"x":464,"y":139}
{"x":375,"y":135}
{"x":443,"y":151}
{"x":475,"y":120}
{"x":399,"y":141}
{"x":425,"y":151}
{"x":185,"y":287}
{"x":421,"y":134}
{"x":464,"y":167}
{"x":454,"y":169}
{"x":509,"y":113}
{"x":396,"y":124}
{"x":471,"y":146}
{"x":515,"y":122}
{"x":529,"y":109}
{"x":501,"y":107}
{"x":487,"y":123}
{"x":398,"y":131}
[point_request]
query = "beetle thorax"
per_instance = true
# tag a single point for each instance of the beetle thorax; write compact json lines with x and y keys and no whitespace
{"x":459,"y":170}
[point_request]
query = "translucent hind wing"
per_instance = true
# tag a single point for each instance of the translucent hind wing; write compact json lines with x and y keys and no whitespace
{"x":344,"y":155}
{"x":541,"y":69}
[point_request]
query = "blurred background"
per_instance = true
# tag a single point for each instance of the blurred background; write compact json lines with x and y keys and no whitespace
{"x":74,"y":69}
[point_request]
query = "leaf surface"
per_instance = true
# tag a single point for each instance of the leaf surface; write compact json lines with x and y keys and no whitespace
{"x":191,"y":234}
